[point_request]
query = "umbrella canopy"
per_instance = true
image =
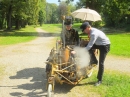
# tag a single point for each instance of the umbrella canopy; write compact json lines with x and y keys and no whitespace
{"x":86,"y":14}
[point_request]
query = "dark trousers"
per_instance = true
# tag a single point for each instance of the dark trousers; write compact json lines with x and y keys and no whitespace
{"x":104,"y":49}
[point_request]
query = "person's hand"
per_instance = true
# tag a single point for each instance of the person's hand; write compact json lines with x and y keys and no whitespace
{"x":59,"y":41}
{"x":73,"y":52}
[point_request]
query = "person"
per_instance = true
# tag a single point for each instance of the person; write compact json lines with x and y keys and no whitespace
{"x":71,"y":38}
{"x":98,"y":40}
{"x":70,"y":34}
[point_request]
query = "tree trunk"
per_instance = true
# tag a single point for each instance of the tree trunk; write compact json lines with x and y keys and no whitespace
{"x":9,"y":14}
{"x":23,"y":23}
{"x":17,"y":24}
{"x":1,"y":24}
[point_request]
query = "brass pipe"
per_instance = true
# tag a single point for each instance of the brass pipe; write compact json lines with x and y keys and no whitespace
{"x":65,"y":78}
{"x":67,"y":67}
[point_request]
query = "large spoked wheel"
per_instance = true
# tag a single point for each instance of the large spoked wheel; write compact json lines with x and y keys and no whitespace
{"x":49,"y":91}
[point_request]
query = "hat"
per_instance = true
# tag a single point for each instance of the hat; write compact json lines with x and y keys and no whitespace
{"x":68,"y":20}
{"x":84,"y":25}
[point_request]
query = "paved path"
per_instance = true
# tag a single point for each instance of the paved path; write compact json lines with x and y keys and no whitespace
{"x":118,"y":63}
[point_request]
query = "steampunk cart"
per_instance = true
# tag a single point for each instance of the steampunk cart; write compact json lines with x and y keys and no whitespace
{"x":62,"y":67}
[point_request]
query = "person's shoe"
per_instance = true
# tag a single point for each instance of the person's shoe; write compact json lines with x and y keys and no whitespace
{"x":98,"y":83}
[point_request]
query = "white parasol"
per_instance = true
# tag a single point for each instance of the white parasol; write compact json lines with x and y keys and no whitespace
{"x":86,"y":14}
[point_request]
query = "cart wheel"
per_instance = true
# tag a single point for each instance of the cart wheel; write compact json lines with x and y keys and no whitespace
{"x":49,"y":91}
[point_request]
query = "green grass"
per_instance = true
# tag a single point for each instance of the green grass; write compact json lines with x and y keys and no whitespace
{"x":57,"y":28}
{"x":52,"y":28}
{"x":115,"y":84}
{"x":17,"y":36}
{"x":77,"y":27}
{"x":120,"y":45}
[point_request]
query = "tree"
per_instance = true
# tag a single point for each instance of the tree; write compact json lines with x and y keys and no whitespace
{"x":8,"y":10}
{"x":115,"y":13}
{"x":62,"y":10}
{"x":2,"y":15}
{"x":21,"y":12}
{"x":42,"y":12}
{"x":54,"y":13}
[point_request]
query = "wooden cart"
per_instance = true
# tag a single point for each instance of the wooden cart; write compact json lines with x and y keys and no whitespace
{"x":62,"y":68}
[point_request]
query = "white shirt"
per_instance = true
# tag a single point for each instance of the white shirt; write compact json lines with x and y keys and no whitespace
{"x":97,"y":37}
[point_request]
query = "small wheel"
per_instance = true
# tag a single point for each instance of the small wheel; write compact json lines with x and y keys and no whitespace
{"x":49,"y":91}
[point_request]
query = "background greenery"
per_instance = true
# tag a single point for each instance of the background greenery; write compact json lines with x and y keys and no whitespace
{"x":19,"y":13}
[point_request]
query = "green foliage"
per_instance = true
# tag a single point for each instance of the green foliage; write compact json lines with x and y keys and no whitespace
{"x":18,"y":13}
{"x":42,"y":12}
{"x":115,"y":13}
{"x":127,"y":28}
{"x":51,"y":15}
{"x":22,"y":12}
{"x":34,"y":11}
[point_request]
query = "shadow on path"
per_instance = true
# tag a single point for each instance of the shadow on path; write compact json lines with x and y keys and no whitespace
{"x":63,"y":89}
{"x":36,"y":83}
{"x":36,"y":86}
{"x":40,"y":34}
{"x":37,"y":34}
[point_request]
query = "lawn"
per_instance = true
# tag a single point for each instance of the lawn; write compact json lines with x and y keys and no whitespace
{"x":120,"y":45}
{"x":52,"y":28}
{"x":17,"y":36}
{"x":115,"y":84}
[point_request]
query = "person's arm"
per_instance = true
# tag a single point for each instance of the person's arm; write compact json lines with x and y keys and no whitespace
{"x":93,"y":38}
{"x":77,"y":37}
